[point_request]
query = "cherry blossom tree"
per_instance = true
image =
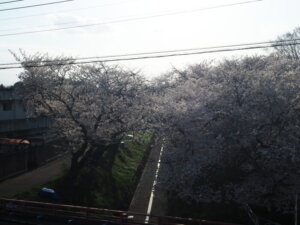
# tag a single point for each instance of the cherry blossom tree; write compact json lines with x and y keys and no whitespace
{"x":92,"y":106}
{"x":292,"y":49}
{"x":233,"y":132}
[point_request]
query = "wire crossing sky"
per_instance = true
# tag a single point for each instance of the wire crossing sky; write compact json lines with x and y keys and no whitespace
{"x":189,"y":28}
{"x":2,"y":3}
{"x":128,"y":19}
{"x":63,"y":63}
{"x":222,"y":48}
{"x":63,"y":11}
{"x":37,"y":5}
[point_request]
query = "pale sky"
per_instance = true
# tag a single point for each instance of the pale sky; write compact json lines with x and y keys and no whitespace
{"x":254,"y":22}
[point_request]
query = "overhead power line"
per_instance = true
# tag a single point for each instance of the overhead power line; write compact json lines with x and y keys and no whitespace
{"x":61,"y":11}
{"x":286,"y":42}
{"x":130,"y":19}
{"x":37,"y":5}
{"x":64,"y":63}
{"x":11,"y":2}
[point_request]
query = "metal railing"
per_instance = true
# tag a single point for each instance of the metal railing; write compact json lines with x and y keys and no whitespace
{"x":87,"y":215}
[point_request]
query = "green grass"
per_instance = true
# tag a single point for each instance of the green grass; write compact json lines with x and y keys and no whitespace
{"x":118,"y":190}
{"x":127,"y":161}
{"x":127,"y":168}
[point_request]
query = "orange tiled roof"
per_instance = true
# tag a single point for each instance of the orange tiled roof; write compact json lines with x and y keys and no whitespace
{"x":11,"y":141}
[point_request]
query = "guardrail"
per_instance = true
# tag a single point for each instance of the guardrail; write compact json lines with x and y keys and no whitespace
{"x":86,"y":215}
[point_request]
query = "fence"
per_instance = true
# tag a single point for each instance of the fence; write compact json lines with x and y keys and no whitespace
{"x":13,"y":162}
{"x":57,"y":214}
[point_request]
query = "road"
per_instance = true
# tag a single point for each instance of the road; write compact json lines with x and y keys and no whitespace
{"x":39,"y":176}
{"x":147,"y":199}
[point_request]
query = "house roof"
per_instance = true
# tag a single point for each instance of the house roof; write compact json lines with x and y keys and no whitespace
{"x":11,"y":141}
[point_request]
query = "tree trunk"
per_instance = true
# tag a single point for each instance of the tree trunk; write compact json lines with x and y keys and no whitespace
{"x":76,"y":162}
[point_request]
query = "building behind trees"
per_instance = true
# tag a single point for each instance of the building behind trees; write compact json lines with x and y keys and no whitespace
{"x":23,"y":142}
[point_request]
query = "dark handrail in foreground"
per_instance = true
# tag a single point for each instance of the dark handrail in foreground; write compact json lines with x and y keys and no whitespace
{"x":96,"y":214}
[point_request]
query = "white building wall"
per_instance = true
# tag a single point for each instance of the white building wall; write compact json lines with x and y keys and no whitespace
{"x":16,"y":112}
{"x":15,"y":117}
{"x":11,"y":107}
